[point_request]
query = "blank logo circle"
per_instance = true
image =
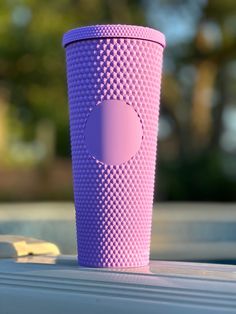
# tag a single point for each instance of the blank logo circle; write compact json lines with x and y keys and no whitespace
{"x":113,"y":132}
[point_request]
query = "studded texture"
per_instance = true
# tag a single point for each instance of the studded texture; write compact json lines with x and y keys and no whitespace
{"x":114,"y":202}
{"x":113,"y":30}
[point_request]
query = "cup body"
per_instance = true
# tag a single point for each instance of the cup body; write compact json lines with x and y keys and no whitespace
{"x":114,"y":76}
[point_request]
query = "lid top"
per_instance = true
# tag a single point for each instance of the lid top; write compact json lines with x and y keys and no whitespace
{"x":113,"y":30}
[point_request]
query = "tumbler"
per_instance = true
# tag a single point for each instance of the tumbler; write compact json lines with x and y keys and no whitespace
{"x":113,"y":76}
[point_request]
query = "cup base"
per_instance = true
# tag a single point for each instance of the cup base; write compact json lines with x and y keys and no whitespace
{"x":116,"y":265}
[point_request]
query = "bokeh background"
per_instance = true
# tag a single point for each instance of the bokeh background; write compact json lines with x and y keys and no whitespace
{"x":197,"y":130}
{"x":197,"y":133}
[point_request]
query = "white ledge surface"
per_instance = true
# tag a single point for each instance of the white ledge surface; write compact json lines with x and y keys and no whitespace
{"x":49,"y":284}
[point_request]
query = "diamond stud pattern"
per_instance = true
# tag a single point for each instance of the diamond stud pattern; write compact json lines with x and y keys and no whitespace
{"x":114,"y":202}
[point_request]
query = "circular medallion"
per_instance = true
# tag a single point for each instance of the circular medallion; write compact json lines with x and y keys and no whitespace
{"x":113,"y":132}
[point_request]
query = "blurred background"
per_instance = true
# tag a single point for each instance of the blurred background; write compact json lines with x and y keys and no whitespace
{"x":197,"y":130}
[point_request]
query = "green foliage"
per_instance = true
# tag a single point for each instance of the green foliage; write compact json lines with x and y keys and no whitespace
{"x":193,"y":163}
{"x":32,"y":63}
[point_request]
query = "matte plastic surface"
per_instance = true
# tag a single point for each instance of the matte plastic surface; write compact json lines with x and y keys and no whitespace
{"x":113,"y":31}
{"x":113,"y":132}
{"x":114,"y":202}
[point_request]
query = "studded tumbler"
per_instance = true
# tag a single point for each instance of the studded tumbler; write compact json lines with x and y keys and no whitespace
{"x":114,"y":76}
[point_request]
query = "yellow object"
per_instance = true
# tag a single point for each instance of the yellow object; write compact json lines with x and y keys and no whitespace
{"x":12,"y":246}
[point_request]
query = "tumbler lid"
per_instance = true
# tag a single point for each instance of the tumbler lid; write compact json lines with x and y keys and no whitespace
{"x":113,"y":31}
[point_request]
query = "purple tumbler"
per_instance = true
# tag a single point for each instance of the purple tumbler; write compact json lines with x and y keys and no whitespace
{"x":114,"y":76}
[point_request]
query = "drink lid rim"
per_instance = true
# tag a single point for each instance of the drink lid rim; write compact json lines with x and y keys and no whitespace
{"x":113,"y":31}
